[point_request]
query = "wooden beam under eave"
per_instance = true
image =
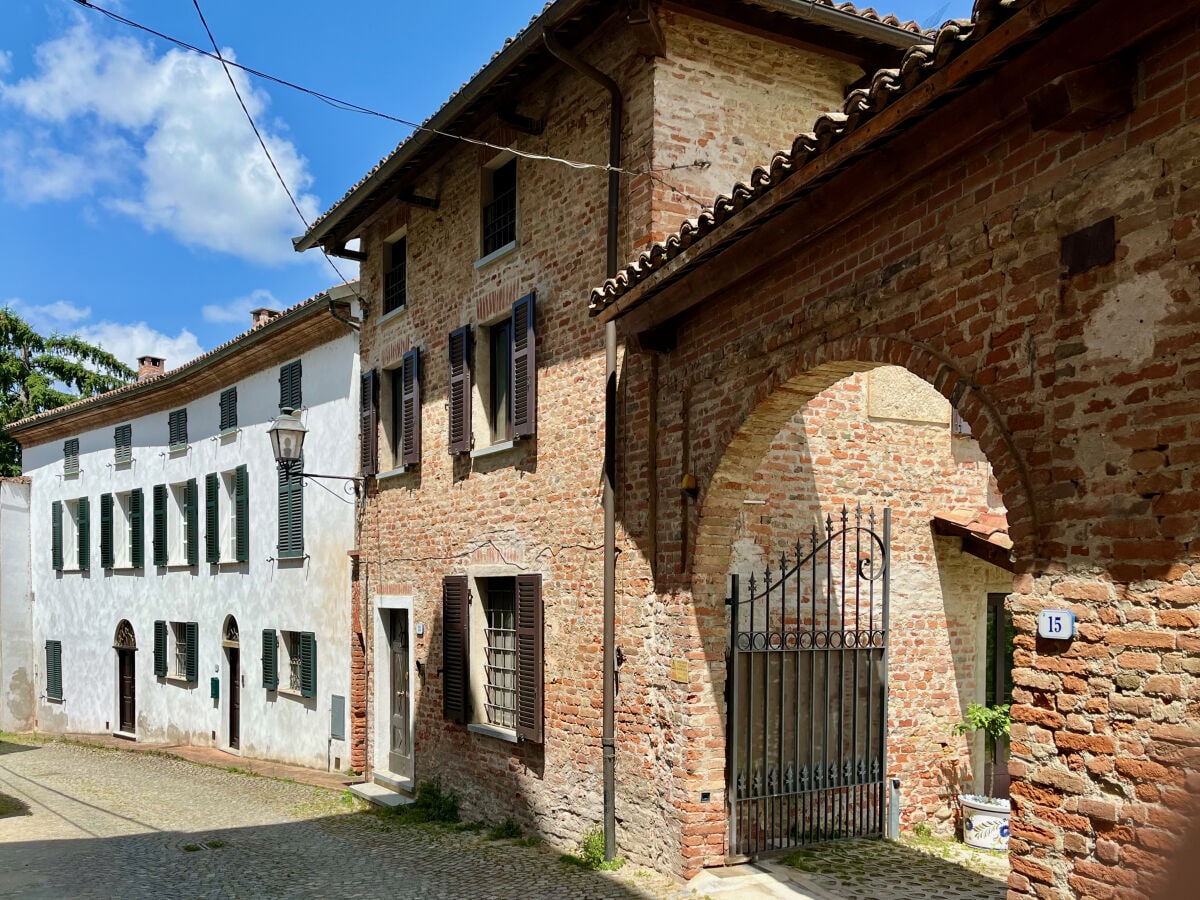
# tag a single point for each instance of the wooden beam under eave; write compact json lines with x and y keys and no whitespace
{"x":1085,"y":99}
{"x":874,"y":161}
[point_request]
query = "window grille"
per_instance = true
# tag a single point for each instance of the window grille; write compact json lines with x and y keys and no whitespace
{"x":500,"y":215}
{"x":395,"y":281}
{"x":501,"y":655}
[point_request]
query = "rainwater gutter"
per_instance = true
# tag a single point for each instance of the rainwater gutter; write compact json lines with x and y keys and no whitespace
{"x":609,"y":664}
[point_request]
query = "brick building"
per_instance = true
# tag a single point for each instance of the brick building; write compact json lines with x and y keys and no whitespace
{"x":1037,"y":264}
{"x":476,"y":632}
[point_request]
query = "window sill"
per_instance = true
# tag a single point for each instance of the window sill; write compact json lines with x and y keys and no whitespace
{"x":123,"y":465}
{"x":71,"y":476}
{"x":496,"y":254}
{"x":229,"y":563}
{"x":493,"y":731}
{"x":293,"y":693}
{"x":393,"y":314}
{"x":181,"y":680}
{"x":228,"y":435}
{"x":500,"y":447}
{"x":181,"y":450}
{"x":395,"y":473}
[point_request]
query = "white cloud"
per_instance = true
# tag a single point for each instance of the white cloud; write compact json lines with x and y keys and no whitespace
{"x":197,"y":172}
{"x":238,"y":311}
{"x":128,"y":341}
{"x":57,"y":316}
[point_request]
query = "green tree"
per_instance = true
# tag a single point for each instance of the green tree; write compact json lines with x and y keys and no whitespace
{"x":38,"y":373}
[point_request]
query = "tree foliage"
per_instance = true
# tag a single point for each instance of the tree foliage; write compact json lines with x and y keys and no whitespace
{"x":39,"y":372}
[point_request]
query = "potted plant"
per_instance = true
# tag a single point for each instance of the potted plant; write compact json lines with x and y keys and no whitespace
{"x":985,"y":818}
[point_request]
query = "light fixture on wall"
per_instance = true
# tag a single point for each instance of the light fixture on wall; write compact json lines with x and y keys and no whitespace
{"x":287,"y":435}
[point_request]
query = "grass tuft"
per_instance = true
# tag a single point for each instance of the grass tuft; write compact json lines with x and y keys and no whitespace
{"x":505,"y":831}
{"x":591,"y":853}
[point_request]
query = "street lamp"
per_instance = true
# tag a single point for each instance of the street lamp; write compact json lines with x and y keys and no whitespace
{"x":287,"y":443}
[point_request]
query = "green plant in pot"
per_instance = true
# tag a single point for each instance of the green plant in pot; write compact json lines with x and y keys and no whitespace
{"x":985,"y":818}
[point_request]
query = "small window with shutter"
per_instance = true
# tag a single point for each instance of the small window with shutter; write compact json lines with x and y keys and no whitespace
{"x":291,"y":514}
{"x":402,"y":413}
{"x":395,"y":278}
{"x":54,"y":680}
{"x":184,"y":656}
{"x":506,"y":376}
{"x":71,"y":457}
{"x":227,"y":516}
{"x":70,"y":534}
{"x":229,"y":413}
{"x":301,"y":650}
{"x":291,"y":396}
{"x":177,"y":431}
{"x":123,"y":445}
{"x":270,"y":659}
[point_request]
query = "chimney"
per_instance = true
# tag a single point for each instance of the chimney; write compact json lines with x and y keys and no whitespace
{"x":150,"y":367}
{"x":262,"y":316}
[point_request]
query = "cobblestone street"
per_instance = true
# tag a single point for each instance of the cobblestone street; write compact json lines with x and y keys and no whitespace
{"x":79,"y":821}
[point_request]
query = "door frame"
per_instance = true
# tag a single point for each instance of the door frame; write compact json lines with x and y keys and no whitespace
{"x":124,"y":641}
{"x":381,"y":706}
{"x":230,"y":639}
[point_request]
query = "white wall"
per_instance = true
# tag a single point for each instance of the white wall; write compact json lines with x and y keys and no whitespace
{"x":83,"y":609}
{"x":17,"y":674}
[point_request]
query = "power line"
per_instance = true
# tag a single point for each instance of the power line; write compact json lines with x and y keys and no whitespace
{"x":349,"y":106}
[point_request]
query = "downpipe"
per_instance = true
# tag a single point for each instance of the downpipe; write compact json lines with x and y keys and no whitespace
{"x":609,"y":663}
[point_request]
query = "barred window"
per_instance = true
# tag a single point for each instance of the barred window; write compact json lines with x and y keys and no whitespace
{"x":501,"y":652}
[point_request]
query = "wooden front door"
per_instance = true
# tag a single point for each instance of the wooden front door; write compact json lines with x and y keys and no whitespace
{"x":125,"y":678}
{"x":400,"y":752}
{"x":235,"y":698}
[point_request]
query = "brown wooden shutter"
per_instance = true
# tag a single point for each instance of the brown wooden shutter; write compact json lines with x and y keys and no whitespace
{"x":410,"y":405}
{"x":529,"y":658}
{"x":460,"y":390}
{"x":456,"y":603}
{"x":524,"y":368}
{"x":368,"y":424}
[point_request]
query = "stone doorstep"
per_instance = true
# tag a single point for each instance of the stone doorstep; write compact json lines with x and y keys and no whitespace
{"x":378,"y":795}
{"x":754,"y":881}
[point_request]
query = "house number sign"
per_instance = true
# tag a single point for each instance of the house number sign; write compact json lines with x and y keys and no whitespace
{"x":1056,"y":624}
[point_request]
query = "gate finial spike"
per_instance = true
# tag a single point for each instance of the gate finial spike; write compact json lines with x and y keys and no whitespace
{"x":753,"y":585}
{"x":871,"y":517}
{"x":782,"y":562}
{"x":845,"y":515}
{"x":858,"y":515}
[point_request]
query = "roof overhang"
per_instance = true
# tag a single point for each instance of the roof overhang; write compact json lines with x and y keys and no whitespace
{"x":317,"y":321}
{"x":525,"y":58}
{"x":983,"y":536}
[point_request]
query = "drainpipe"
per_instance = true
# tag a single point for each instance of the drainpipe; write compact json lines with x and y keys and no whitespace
{"x":608,"y":733}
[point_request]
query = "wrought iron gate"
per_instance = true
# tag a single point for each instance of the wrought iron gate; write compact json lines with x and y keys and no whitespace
{"x":807,"y":691}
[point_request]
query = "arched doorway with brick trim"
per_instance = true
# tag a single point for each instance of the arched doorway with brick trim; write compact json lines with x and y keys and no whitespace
{"x":753,"y":449}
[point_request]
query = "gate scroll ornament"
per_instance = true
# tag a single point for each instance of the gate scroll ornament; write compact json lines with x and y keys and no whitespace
{"x":807,"y":691}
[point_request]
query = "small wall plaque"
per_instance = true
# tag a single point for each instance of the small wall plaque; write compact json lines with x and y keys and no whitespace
{"x":1056,"y":624}
{"x":679,"y":670}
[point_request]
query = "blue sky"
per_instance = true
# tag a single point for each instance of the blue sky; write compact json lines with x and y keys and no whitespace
{"x":136,"y":207}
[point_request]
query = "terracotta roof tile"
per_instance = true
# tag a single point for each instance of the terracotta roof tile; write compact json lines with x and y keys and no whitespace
{"x":919,"y":63}
{"x":985,"y":525}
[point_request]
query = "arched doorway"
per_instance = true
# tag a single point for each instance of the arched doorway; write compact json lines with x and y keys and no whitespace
{"x":125,"y":643}
{"x":230,"y":640}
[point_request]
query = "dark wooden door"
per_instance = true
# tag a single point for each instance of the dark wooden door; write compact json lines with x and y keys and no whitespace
{"x":235,"y":698}
{"x":400,"y":754}
{"x":128,"y":703}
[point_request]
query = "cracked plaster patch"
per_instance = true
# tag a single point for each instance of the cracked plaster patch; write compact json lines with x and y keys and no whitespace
{"x":1122,"y":327}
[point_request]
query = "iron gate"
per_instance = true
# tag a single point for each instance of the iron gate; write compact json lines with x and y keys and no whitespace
{"x":807,"y":691}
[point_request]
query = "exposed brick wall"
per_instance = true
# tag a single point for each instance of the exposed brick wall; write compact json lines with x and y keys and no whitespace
{"x":1082,"y":391}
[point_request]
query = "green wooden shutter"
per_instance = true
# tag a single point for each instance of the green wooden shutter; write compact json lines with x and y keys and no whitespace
{"x":160,"y":648}
{"x":137,"y":529}
{"x":191,"y":650}
{"x":106,"y":531}
{"x":191,"y":515}
{"x":56,"y":535}
{"x":460,"y":390}
{"x":83,"y":510}
{"x":308,"y":664}
{"x":212,"y":522}
{"x":270,"y":659}
{"x":290,"y":394}
{"x":122,"y":444}
{"x":410,"y":408}
{"x":160,"y":525}
{"x":368,"y":423}
{"x":291,"y":515}
{"x":524,"y":369}
{"x":54,"y":689}
{"x":456,"y":600}
{"x":241,"y":499}
{"x":229,"y":409}
{"x":177,"y":435}
{"x":529,"y":658}
{"x":71,"y":456}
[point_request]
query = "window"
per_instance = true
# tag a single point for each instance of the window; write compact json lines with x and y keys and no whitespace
{"x":958,"y":425}
{"x":499,"y":207}
{"x":176,"y":650}
{"x":998,"y":689}
{"x":300,"y":648}
{"x":227,"y":516}
{"x":54,"y":689}
{"x":492,"y":654}
{"x":395,"y":279}
{"x":290,"y":394}
{"x":402,"y":414}
{"x":71,"y":456}
{"x":291,"y":514}
{"x":177,"y":434}
{"x":505,"y":374}
{"x":121,"y":530}
{"x":229,"y":420}
{"x":70,"y":535}
{"x":177,"y":524}
{"x":123,"y":444}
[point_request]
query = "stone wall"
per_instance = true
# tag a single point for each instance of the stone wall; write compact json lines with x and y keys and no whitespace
{"x":1082,"y":391}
